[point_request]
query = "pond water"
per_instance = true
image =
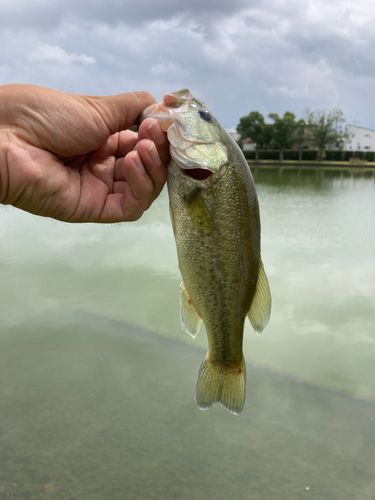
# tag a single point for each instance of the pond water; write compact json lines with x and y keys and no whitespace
{"x":97,"y":378}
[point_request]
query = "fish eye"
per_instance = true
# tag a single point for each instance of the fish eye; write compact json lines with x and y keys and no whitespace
{"x":205,"y":114}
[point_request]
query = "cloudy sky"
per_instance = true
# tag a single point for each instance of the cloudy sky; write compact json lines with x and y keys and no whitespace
{"x":237,"y":55}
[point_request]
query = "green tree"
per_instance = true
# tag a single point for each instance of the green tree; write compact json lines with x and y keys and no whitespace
{"x":300,"y":136}
{"x":326,"y":126}
{"x":254,"y":127}
{"x":283,"y":129}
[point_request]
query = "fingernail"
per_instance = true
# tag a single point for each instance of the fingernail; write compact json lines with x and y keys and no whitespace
{"x":138,"y":161}
{"x":155,"y":133}
{"x":153,"y":154}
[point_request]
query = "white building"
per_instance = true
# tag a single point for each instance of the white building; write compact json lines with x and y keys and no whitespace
{"x":359,"y":139}
{"x":247,"y":144}
{"x":233,"y":132}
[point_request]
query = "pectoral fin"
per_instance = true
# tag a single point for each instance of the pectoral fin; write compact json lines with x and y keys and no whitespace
{"x":190,"y":319}
{"x":260,"y":309}
{"x":198,"y":211}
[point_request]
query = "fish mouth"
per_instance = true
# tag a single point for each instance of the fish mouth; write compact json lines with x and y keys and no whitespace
{"x":158,"y":110}
{"x":198,"y":174}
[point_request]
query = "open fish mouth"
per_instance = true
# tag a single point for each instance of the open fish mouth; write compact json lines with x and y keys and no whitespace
{"x":198,"y":174}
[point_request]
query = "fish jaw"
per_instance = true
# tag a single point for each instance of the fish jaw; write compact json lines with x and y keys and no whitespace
{"x":195,"y":143}
{"x":166,"y":110}
{"x":163,"y":114}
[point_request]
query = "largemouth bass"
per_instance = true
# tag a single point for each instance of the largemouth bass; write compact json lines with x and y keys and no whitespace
{"x":215,"y":217}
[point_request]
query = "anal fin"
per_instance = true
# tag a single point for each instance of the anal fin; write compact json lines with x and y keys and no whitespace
{"x":260,"y":309}
{"x":190,"y":319}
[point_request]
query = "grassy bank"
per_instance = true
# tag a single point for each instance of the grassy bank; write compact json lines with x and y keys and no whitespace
{"x":348,"y":165}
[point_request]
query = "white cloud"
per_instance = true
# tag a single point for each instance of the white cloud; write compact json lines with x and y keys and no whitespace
{"x":56,"y":55}
{"x":163,"y":66}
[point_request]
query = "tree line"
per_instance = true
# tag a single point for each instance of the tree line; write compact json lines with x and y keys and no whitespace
{"x":318,"y":129}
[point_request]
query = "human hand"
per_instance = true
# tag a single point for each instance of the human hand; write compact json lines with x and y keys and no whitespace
{"x":71,"y":157}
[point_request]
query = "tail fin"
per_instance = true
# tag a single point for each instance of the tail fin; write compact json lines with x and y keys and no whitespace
{"x":221,"y":384}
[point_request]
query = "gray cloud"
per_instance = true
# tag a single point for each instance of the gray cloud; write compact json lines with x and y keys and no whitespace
{"x":236,"y":56}
{"x":38,"y":14}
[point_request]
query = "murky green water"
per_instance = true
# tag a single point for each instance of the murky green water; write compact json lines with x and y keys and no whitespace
{"x":97,"y":378}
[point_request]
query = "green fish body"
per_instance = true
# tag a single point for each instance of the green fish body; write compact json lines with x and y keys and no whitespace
{"x":215,"y":216}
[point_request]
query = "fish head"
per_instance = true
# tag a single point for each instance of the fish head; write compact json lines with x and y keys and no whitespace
{"x":197,"y":141}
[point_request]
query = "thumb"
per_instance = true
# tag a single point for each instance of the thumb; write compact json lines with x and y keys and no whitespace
{"x":121,"y":111}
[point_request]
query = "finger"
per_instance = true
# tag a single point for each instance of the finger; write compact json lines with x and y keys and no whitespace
{"x":137,"y":178}
{"x":119,"y":186}
{"x":121,"y":111}
{"x":139,"y":183}
{"x":126,"y":144}
{"x":129,"y":198}
{"x":151,"y":161}
{"x":127,"y":140}
{"x":150,"y":129}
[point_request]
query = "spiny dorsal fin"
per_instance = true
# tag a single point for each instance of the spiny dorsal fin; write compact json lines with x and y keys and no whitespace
{"x":260,"y":309}
{"x":190,"y":319}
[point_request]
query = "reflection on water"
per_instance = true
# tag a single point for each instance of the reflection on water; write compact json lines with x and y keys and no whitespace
{"x":94,"y":404}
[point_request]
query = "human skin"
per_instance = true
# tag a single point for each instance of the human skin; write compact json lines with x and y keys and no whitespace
{"x":72,"y":158}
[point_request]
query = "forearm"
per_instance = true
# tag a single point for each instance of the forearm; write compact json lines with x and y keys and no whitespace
{"x":3,"y":167}
{"x":4,"y":131}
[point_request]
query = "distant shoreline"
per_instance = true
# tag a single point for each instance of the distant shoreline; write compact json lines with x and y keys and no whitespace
{"x":331,"y":165}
